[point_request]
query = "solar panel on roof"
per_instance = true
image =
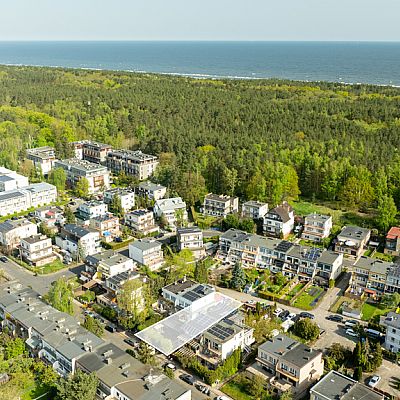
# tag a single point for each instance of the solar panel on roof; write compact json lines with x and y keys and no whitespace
{"x":284,"y":246}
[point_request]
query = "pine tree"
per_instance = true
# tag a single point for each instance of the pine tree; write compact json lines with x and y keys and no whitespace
{"x":238,"y":279}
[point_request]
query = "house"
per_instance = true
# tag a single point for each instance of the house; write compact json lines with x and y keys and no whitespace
{"x":37,"y":250}
{"x":135,"y":163}
{"x":108,"y":226}
{"x":40,"y":194}
{"x":184,"y":292}
{"x":93,"y":152}
{"x":108,"y":264}
{"x":317,"y":227}
{"x":97,"y":175}
{"x":147,"y":252}
{"x":10,"y":180}
{"x":191,"y":239}
{"x":393,"y":279}
{"x":254,"y":209}
{"x":279,"y":222}
{"x":153,"y":191}
{"x":392,"y":244}
{"x":141,"y":221}
{"x":92,"y":209}
{"x":220,"y":205}
{"x":172,"y":210}
{"x":78,"y":241}
{"x":12,"y":231}
{"x":352,"y":240}
{"x":336,"y":386}
{"x":50,"y":215}
{"x":287,"y":364}
{"x":43,"y":158}
{"x":392,"y":337}
{"x":126,"y":197}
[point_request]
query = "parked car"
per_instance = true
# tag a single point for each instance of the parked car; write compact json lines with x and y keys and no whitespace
{"x":118,"y":239}
{"x":284,"y":315}
{"x":203,"y":389}
{"x":131,"y":342}
{"x":292,"y":315}
{"x":187,"y":378}
{"x":3,"y":259}
{"x":374,"y":380}
{"x":278,"y":311}
{"x":221,"y":398}
{"x":351,"y":323}
{"x":335,"y":318}
{"x":350,"y":332}
{"x":159,"y":236}
{"x":111,"y":328}
{"x":170,"y":366}
{"x":305,"y":314}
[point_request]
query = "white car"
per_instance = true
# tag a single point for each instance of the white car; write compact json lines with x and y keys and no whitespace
{"x":351,"y":323}
{"x":374,"y":381}
{"x":350,"y":332}
{"x":278,"y":311}
{"x":291,"y":315}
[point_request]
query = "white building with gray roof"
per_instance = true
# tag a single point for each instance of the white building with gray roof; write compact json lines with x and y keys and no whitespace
{"x":147,"y":252}
{"x":153,"y":191}
{"x":12,"y":231}
{"x":173,"y":210}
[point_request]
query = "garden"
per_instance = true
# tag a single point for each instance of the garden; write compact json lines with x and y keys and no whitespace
{"x":309,"y":298}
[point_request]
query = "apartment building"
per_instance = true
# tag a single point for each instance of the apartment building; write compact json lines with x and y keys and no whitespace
{"x":108,"y":264}
{"x":50,"y":216}
{"x":153,"y":191}
{"x":220,"y":205}
{"x":172,"y":210}
{"x":393,"y":279}
{"x":392,"y":337}
{"x":147,"y":252}
{"x":287,"y":364}
{"x":254,"y":209}
{"x":12,"y":231}
{"x":279,"y":222}
{"x":43,"y":158}
{"x":141,"y":221}
{"x":352,"y":240}
{"x":254,"y":251}
{"x":392,"y":244}
{"x":93,"y":152}
{"x":317,"y":227}
{"x":10,"y":180}
{"x":135,"y":163}
{"x":191,"y":239}
{"x":40,"y":194}
{"x":126,"y":197}
{"x":92,"y":209}
{"x":37,"y":250}
{"x":78,"y":241}
{"x":107,"y":225}
{"x":336,"y":386}
{"x":97,"y":175}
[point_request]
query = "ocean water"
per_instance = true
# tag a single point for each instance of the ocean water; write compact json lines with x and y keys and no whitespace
{"x":349,"y":62}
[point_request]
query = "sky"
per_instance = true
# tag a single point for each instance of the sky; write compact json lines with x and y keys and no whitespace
{"x":320,"y":20}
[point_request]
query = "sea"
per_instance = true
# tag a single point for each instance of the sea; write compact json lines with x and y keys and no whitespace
{"x":347,"y":62}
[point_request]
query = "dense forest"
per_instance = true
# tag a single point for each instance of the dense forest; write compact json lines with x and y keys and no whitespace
{"x":259,"y":139}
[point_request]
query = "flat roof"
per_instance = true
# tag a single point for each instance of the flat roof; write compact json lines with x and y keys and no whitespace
{"x":172,"y":333}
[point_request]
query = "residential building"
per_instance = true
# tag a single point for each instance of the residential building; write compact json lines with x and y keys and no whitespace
{"x":108,"y":264}
{"x":97,"y":175}
{"x":392,"y":337}
{"x":43,"y":158}
{"x":317,"y":227}
{"x":191,"y":239}
{"x":141,"y":221}
{"x":108,"y":226}
{"x":220,"y":205}
{"x":279,"y":222}
{"x":336,"y":386}
{"x":147,"y":252}
{"x":40,"y":194}
{"x":92,"y":209}
{"x":93,"y":152}
{"x":12,"y":231}
{"x":10,"y":180}
{"x":286,"y":363}
{"x":126,"y":197}
{"x":254,"y":209}
{"x":153,"y":191}
{"x":37,"y":250}
{"x":392,"y":244}
{"x":78,"y":241}
{"x":134,"y":163}
{"x":393,"y":279}
{"x":184,"y":292}
{"x":50,"y":215}
{"x":172,"y":210}
{"x":352,"y":240}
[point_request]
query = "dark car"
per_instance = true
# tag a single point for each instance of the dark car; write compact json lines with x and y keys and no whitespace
{"x":187,"y":378}
{"x":307,"y":315}
{"x":118,"y":240}
{"x":160,"y":235}
{"x":131,"y":342}
{"x":335,"y":318}
{"x":111,"y":328}
{"x":284,"y":314}
{"x":3,"y":258}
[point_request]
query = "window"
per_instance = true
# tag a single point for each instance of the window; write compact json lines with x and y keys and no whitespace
{"x":284,"y":367}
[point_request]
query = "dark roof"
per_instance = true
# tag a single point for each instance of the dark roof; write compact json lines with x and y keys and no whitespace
{"x":193,"y":229}
{"x":282,"y":211}
{"x":77,"y":231}
{"x":300,"y":355}
{"x":180,"y":286}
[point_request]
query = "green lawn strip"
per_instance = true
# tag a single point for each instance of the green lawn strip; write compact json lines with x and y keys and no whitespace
{"x":370,"y":310}
{"x":294,"y":291}
{"x":305,"y":299}
{"x":37,"y":391}
{"x":236,"y":391}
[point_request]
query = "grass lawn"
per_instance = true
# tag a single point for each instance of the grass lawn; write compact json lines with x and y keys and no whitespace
{"x":55,"y":266}
{"x":306,"y":298}
{"x":36,"y":392}
{"x":294,"y":291}
{"x":236,"y":391}
{"x":370,"y":310}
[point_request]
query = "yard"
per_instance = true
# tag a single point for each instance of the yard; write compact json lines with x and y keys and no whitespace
{"x":294,"y":291}
{"x":55,"y":266}
{"x":38,"y":391}
{"x":307,"y":298}
{"x":370,"y":310}
{"x":236,"y":390}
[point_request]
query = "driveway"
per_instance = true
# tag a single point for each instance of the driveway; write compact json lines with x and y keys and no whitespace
{"x":390,"y":373}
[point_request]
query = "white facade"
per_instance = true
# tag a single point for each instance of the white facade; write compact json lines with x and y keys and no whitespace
{"x":191,"y":239}
{"x":279,"y":221}
{"x":92,"y":209}
{"x":392,"y":338}
{"x":147,"y":252}
{"x":37,"y":250}
{"x":126,"y":197}
{"x":154,"y":191}
{"x":141,"y":221}
{"x":10,"y":180}
{"x":220,"y":205}
{"x":254,"y":209}
{"x":41,"y":194}
{"x":169,"y":209}
{"x":42,"y":157}
{"x":11,"y":232}
{"x":317,"y":227}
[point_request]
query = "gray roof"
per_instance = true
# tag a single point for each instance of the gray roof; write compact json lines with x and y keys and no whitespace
{"x":279,"y":345}
{"x":77,"y":230}
{"x":134,"y":155}
{"x":39,"y":187}
{"x":193,"y":229}
{"x":5,"y":178}
{"x":150,"y":186}
{"x":219,"y":197}
{"x":123,"y":277}
{"x":301,"y":355}
{"x":335,"y":386}
{"x":170,"y":204}
{"x":12,"y":224}
{"x":354,"y":232}
{"x":328,"y":257}
{"x":145,"y":244}
{"x":11,"y":194}
{"x":318,"y":217}
{"x":80,"y":165}
{"x":372,"y":264}
{"x":139,"y":212}
{"x":392,"y":319}
{"x":108,"y":257}
{"x":180,"y":286}
{"x":236,"y":235}
{"x":35,"y":239}
{"x":282,"y":211}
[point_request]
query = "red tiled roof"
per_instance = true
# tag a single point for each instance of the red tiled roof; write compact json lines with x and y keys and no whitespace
{"x":393,"y":233}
